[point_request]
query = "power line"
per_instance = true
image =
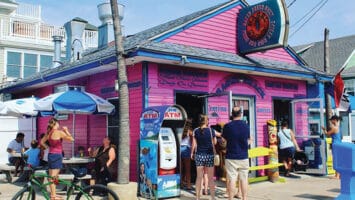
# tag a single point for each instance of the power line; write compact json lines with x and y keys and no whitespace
{"x":305,"y":15}
{"x":308,"y":19}
{"x":289,"y":5}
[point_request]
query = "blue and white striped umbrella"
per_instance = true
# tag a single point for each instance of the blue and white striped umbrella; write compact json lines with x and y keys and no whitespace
{"x":23,"y":107}
{"x":73,"y":102}
{"x":19,"y":107}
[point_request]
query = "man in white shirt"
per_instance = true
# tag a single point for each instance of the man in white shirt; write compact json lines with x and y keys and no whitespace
{"x":16,"y":146}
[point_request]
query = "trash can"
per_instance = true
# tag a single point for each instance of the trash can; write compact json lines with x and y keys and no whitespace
{"x":344,"y":163}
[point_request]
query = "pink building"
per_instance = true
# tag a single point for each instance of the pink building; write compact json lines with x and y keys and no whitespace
{"x":194,"y":61}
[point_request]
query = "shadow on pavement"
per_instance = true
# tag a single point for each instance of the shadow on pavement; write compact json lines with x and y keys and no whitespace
{"x":336,"y":190}
{"x":316,"y":197}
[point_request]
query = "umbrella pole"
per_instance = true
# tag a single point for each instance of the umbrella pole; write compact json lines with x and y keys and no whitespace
{"x":72,"y":144}
{"x":32,"y":128}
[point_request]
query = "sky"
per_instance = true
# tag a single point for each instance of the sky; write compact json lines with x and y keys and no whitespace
{"x":336,"y":15}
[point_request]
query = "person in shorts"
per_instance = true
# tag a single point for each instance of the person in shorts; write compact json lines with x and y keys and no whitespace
{"x":287,"y":146}
{"x":55,"y":136}
{"x":237,"y":135}
{"x":202,"y":141}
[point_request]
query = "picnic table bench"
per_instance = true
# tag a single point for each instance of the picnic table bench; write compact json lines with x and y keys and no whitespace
{"x":258,"y":152}
{"x":7,"y":169}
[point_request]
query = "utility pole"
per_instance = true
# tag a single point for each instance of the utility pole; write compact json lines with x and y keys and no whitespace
{"x":328,"y":105}
{"x":124,"y":130}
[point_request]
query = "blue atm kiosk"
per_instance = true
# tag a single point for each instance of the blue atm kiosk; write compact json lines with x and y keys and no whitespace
{"x":159,"y":151}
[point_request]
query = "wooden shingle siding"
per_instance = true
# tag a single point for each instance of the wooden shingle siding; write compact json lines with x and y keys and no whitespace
{"x":218,"y":33}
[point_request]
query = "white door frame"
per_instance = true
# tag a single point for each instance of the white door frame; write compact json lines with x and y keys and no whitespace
{"x":252,"y":120}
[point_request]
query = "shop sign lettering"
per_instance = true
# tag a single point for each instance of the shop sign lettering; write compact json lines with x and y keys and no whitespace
{"x":173,"y":114}
{"x":281,"y":85}
{"x":301,"y":111}
{"x":263,"y":110}
{"x":262,"y":26}
{"x":215,"y":111}
{"x":218,"y":109}
{"x":150,"y":115}
{"x":182,"y":78}
{"x":241,"y":79}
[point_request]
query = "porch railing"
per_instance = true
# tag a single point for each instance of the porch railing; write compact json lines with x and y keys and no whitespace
{"x":28,"y":10}
{"x":39,"y":33}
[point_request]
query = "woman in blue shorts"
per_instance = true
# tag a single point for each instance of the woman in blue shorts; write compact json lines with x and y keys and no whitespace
{"x":55,"y":156}
{"x":202,"y":151}
{"x":288,"y":145}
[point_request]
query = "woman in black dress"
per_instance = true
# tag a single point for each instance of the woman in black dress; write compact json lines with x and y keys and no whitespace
{"x":105,"y":162}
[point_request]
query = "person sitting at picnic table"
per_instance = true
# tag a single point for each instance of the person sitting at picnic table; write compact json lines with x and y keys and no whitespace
{"x":33,"y":154}
{"x":105,"y":162}
{"x":81,"y":152}
{"x":16,"y":146}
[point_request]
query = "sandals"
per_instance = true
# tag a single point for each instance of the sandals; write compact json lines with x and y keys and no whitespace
{"x":235,"y":196}
{"x":205,"y":192}
{"x":57,"y":198}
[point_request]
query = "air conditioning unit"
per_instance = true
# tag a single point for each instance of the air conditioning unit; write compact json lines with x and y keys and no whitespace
{"x":66,"y":87}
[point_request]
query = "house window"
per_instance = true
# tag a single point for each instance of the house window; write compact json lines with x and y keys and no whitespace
{"x":45,"y":62}
{"x":13,"y":68}
{"x":350,"y":86}
{"x":30,"y":65}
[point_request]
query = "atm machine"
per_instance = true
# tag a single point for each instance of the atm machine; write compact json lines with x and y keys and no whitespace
{"x":168,"y":157}
{"x":159,"y":151}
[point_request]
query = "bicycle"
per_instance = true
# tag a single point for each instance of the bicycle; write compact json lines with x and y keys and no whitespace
{"x":91,"y":192}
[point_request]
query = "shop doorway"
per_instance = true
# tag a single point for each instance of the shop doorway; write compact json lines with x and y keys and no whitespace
{"x":307,"y":120}
{"x":193,"y":105}
{"x":247,"y":104}
{"x":282,"y":111}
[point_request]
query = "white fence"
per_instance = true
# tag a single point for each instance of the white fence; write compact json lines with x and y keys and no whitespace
{"x":39,"y":33}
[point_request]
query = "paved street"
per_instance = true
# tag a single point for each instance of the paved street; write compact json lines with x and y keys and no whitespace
{"x":303,"y":187}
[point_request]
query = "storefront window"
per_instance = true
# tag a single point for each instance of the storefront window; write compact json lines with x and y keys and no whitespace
{"x":350,"y":86}
{"x":344,"y":127}
{"x":244,"y":105}
{"x":13,"y":68}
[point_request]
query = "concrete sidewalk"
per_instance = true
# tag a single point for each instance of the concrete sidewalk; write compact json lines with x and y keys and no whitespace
{"x":302,"y":187}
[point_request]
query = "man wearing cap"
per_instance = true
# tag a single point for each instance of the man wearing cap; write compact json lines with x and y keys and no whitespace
{"x":237,"y":135}
{"x":334,"y":133}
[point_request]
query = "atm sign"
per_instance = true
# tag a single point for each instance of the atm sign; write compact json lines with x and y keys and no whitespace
{"x":173,"y":114}
{"x":150,"y":115}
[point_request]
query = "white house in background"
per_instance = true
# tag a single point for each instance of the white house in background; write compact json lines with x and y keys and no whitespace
{"x":26,"y":43}
{"x":341,"y":54}
{"x":27,"y":48}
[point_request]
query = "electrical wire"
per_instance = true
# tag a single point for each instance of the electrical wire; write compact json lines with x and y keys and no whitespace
{"x":289,"y":5}
{"x":293,"y":33}
{"x":305,"y":15}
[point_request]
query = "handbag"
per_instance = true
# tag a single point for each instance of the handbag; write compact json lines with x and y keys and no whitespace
{"x":217,"y":160}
